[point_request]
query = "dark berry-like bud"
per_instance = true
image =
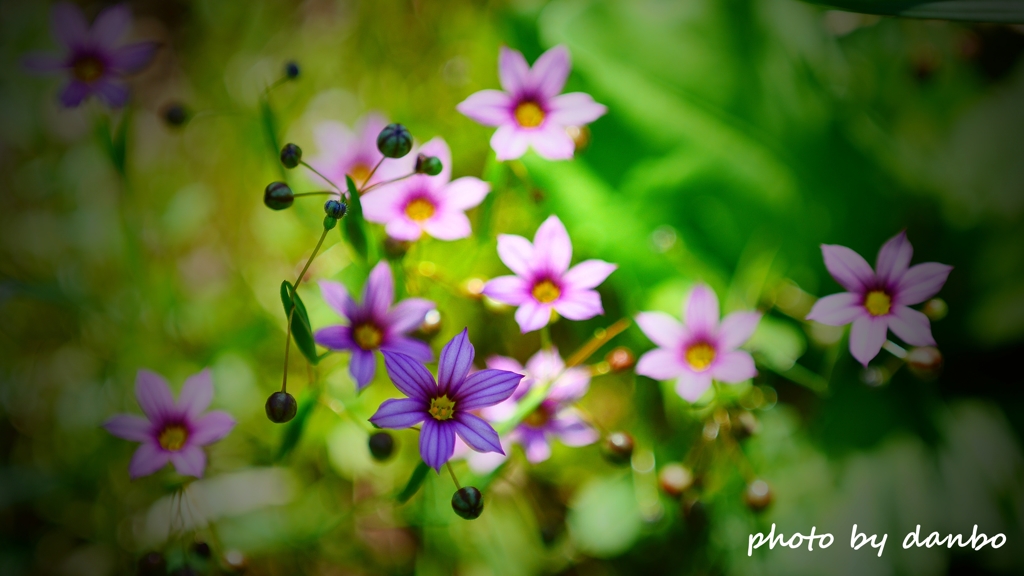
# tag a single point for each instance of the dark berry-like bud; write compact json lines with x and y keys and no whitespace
{"x":675,"y":479}
{"x":278,"y":196}
{"x":152,"y":564}
{"x":758,"y":495}
{"x":291,"y":70}
{"x":468,"y":503}
{"x":925,"y":362}
{"x":618,"y":448}
{"x":201,"y":549}
{"x":620,"y":359}
{"x":935,"y":309}
{"x":382,"y":445}
{"x":291,"y":155}
{"x":394,"y":141}
{"x":429,"y":165}
{"x":175,"y":115}
{"x":281,"y":407}
{"x":335,"y":208}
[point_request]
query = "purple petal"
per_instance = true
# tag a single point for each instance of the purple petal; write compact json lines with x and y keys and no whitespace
{"x":849,"y":269}
{"x":732,"y":367}
{"x":536,"y":446}
{"x":545,"y":365}
{"x":513,"y":71}
{"x":113,"y":94}
{"x":691,"y":385}
{"x":662,"y":329}
{"x":465,"y":193}
{"x":588,"y":274}
{"x":476,"y":433}
{"x":410,"y":376}
{"x":196,"y":394}
{"x":579,"y":305}
{"x":488,"y":107}
{"x":437,"y":442}
{"x":837,"y":309}
{"x":920,"y":283}
{"x":154,"y":396}
{"x":866,"y":337}
{"x":400,"y":413}
{"x":133,"y":57}
{"x":336,"y":296}
{"x":894,"y":258}
{"x":911,"y":326}
{"x":552,"y":247}
{"x":517,"y":253}
{"x":572,"y":430}
{"x":362,"y":367}
{"x":551,"y":141}
{"x":148,"y":458}
{"x":411,"y":347}
{"x":189,"y":461}
{"x":130,"y":427}
{"x":660,"y":364}
{"x":335,"y":338}
{"x":74,"y":93}
{"x":486,"y":388}
{"x":575,"y":109}
{"x":379,"y":292}
{"x":368,"y":127}
{"x":455,"y":362}
{"x":736,"y":329}
{"x":211,"y":428}
{"x":69,"y":25}
{"x":508,"y":289}
{"x":702,"y":311}
{"x":111,"y":25}
{"x":448,"y":226}
{"x":43,"y":63}
{"x":570,"y":386}
{"x":549,"y":72}
{"x":483,"y":462}
{"x":532,"y":315}
{"x":408,"y":314}
{"x":509,"y":142}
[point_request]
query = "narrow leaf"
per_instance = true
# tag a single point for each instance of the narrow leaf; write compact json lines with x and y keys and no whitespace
{"x":414,"y":483}
{"x":354,"y":227}
{"x":302,"y":331}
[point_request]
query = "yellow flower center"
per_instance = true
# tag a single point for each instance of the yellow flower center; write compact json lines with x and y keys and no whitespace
{"x":419,"y":209}
{"x":538,"y":418}
{"x":360,"y":172}
{"x":87,"y":69}
{"x":529,"y":114}
{"x":545,"y":291}
{"x":878,"y":303}
{"x":173,"y":437}
{"x":442,"y":408}
{"x":367,"y":336}
{"x":700,"y":356}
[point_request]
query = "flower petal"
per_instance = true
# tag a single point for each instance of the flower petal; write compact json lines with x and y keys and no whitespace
{"x":189,"y":461}
{"x":532,"y":315}
{"x":409,"y":376}
{"x":437,"y":443}
{"x":837,"y":309}
{"x":113,"y":94}
{"x":448,"y":226}
{"x":74,"y":93}
{"x":111,"y":25}
{"x":920,"y":283}
{"x":479,"y":435}
{"x":575,"y":109}
{"x":509,"y":142}
{"x":866,"y":337}
{"x":570,"y":386}
{"x":572,"y":430}
{"x":508,"y":289}
{"x":43,"y":63}
{"x":436,"y":146}
{"x":336,"y":296}
{"x":513,"y":71}
{"x":488,"y":107}
{"x":401,"y":228}
{"x":579,"y":304}
{"x":486,"y":388}
{"x":148,"y":458}
{"x":69,"y":25}
{"x":335,"y":338}
{"x":691,"y":385}
{"x":196,"y":394}
{"x":894,"y":258}
{"x":737,"y":328}
{"x":588,"y":274}
{"x":411,"y":347}
{"x":849,"y":269}
{"x":455,"y":362}
{"x":660,"y":364}
{"x":733,"y":367}
{"x":154,"y":396}
{"x":517,"y":253}
{"x":536,"y":446}
{"x":211,"y":427}
{"x":504,"y":363}
{"x":911,"y":326}
{"x":379,"y":292}
{"x":545,"y":365}
{"x":133,"y":57}
{"x":399,"y":413}
{"x":465,"y":193}
{"x":552,"y":247}
{"x":362,"y":366}
{"x":551,"y":141}
{"x":484,"y":462}
{"x":702,"y":311}
{"x":550,"y":71}
{"x":408,"y":314}
{"x":662,"y":329}
{"x":130,"y":427}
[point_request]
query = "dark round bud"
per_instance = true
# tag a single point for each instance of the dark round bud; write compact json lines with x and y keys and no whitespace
{"x":291,"y":155}
{"x":620,"y":359}
{"x":394,"y":141}
{"x":618,"y":448}
{"x":278,"y":196}
{"x":291,"y":70}
{"x":382,"y":445}
{"x":935,"y":309}
{"x":675,"y":479}
{"x":152,"y":564}
{"x":758,"y":495}
{"x":175,"y":115}
{"x":201,"y":549}
{"x":281,"y":407}
{"x":429,"y":165}
{"x":925,"y":362}
{"x":335,"y":208}
{"x":468,"y":503}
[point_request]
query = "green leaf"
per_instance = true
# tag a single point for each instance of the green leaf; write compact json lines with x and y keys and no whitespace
{"x":354,"y":226}
{"x":269,"y":122}
{"x":1008,"y":11}
{"x":414,"y":483}
{"x":302,"y":331}
{"x":295,"y":428}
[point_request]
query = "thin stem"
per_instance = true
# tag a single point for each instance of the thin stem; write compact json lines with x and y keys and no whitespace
{"x":545,"y":337}
{"x":328,"y":180}
{"x":308,"y":262}
{"x":392,"y":181}
{"x":452,"y":472}
{"x":372,"y":172}
{"x":895,"y":349}
{"x":320,"y":193}
{"x":601,"y":337}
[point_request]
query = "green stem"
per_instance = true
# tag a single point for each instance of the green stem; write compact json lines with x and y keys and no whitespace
{"x":452,"y":472}
{"x":302,"y":274}
{"x":370,"y":175}
{"x":545,"y":337}
{"x":392,"y":181}
{"x":328,"y":180}
{"x":320,"y":193}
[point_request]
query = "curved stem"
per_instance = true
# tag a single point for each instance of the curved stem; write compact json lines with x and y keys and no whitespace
{"x":370,"y":175}
{"x":319,"y":193}
{"x":601,"y":337}
{"x":392,"y":181}
{"x":452,"y":472}
{"x":302,"y":274}
{"x":328,"y":180}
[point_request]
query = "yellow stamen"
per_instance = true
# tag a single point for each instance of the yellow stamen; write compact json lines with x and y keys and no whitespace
{"x":545,"y":291}
{"x":529,"y":114}
{"x":442,"y":408}
{"x":360,"y":172}
{"x":87,"y":69}
{"x":173,"y":437}
{"x":878,"y":303}
{"x":700,"y":356}
{"x":367,"y":336}
{"x":419,"y":209}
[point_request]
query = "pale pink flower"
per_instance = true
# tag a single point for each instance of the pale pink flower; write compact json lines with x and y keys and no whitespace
{"x":342,"y":151}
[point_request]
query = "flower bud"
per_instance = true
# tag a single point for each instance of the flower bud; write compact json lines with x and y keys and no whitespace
{"x":291,"y":70}
{"x":394,"y":141}
{"x":935,"y":309}
{"x":758,"y":495}
{"x":281,"y":407}
{"x":925,"y":362}
{"x":152,"y":564}
{"x":620,"y":359}
{"x":429,"y":165}
{"x":335,"y":208}
{"x":382,"y":445}
{"x":278,"y":196}
{"x":201,"y":549}
{"x":618,"y":448}
{"x":175,"y":115}
{"x":468,"y":502}
{"x":675,"y":479}
{"x":291,"y":155}
{"x":431,"y":324}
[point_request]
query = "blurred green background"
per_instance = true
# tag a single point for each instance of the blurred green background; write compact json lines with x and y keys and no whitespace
{"x":740,"y":136}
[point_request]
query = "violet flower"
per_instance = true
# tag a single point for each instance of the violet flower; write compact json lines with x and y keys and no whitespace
{"x":701,"y":350}
{"x":444,"y":406}
{"x":172,"y":431}
{"x":94,"y":59}
{"x":373,"y":325}
{"x":531,"y":111}
{"x":543,"y":280}
{"x":422,"y":203}
{"x":878,"y":300}
{"x":341,"y":151}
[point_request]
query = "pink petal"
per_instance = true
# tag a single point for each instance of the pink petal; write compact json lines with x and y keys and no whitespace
{"x":408,"y":314}
{"x":837,"y":309}
{"x":736,"y":329}
{"x":552,"y":142}
{"x":662,"y":329}
{"x":148,"y":458}
{"x":570,"y":386}
{"x":579,"y":304}
{"x":691,"y":385}
{"x":113,"y":94}
{"x":74,"y":93}
{"x":154,"y":396}
{"x":847,"y":267}
{"x":488,"y":107}
{"x":111,"y":25}
{"x":920,"y":283}
{"x":448,"y":226}
{"x":410,"y":376}
{"x":701,"y":313}
{"x":588,"y":274}
{"x":866,"y":337}
{"x":509,"y":142}
{"x":517,"y":253}
{"x":386,"y":204}
{"x":43,"y":63}
{"x":732,"y":367}
{"x":536,"y":446}
{"x":397,"y":413}
{"x":479,"y":435}
{"x":69,"y":25}
{"x":513,"y":71}
{"x":189,"y":461}
{"x":532,"y":315}
{"x":552,"y":247}
{"x":402,"y":228}
{"x":550,"y":71}
{"x":196,"y":394}
{"x":911,"y":326}
{"x":211,"y":427}
{"x":465,"y":193}
{"x":134,"y":57}
{"x":575,"y":109}
{"x":660,"y":364}
{"x":437,"y":443}
{"x":336,"y":296}
{"x":573,"y":430}
{"x":485,"y":462}
{"x":545,"y":365}
{"x":130,"y":427}
{"x":362,"y":367}
{"x":894,"y":258}
{"x":335,"y":338}
{"x":379,"y":291}
{"x":505,"y":363}
{"x":368,"y":128}
{"x":455,"y":362}
{"x":437,"y":147}
{"x":511,"y":290}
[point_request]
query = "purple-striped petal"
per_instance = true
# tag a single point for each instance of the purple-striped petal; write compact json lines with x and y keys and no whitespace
{"x":133,"y":57}
{"x":130,"y":427}
{"x":551,"y":141}
{"x":732,"y":367}
{"x":486,"y":388}
{"x":476,"y":433}
{"x":465,"y":193}
{"x":410,"y":376}
{"x":532,"y":315}
{"x":575,"y":109}
{"x":43,"y":63}
{"x":837,"y":309}
{"x":74,"y":93}
{"x":894,"y":258}
{"x":509,"y":142}
{"x":588,"y":274}
{"x":662,"y":329}
{"x":196,"y":394}
{"x":511,"y":290}
{"x":362,"y":366}
{"x":408,"y":314}
{"x":552,"y":247}
{"x":148,"y":458}
{"x":737,"y":328}
{"x":513,"y":71}
{"x":411,"y":347}
{"x":550,"y":71}
{"x":335,"y":338}
{"x":920,"y":283}
{"x":437,"y":442}
{"x":69,"y":25}
{"x":691,"y":385}
{"x":701,"y":313}
{"x":189,"y":461}
{"x":488,"y":107}
{"x":660,"y":364}
{"x":336,"y":296}
{"x":113,"y":94}
{"x":211,"y":427}
{"x":517,"y":253}
{"x":455,"y":362}
{"x":579,"y":304}
{"x":849,"y":269}
{"x":400,"y":413}
{"x":111,"y":25}
{"x":866,"y":337}
{"x":379,"y":292}
{"x":911,"y":326}
{"x":154,"y":396}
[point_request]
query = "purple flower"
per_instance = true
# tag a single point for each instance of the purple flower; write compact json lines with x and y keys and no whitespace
{"x":543,"y":280}
{"x":531,"y":111}
{"x":373,"y":325}
{"x":701,"y":349}
{"x":421,"y":203}
{"x":171,"y":431}
{"x":878,"y":300}
{"x":94,"y":59}
{"x":444,"y":407}
{"x":342,"y":151}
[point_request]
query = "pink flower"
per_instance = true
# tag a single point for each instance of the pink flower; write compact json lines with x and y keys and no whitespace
{"x":701,"y":349}
{"x":531,"y":111}
{"x":543,"y":280}
{"x":94,"y":59}
{"x":878,"y":300}
{"x":342,"y":151}
{"x":171,"y":431}
{"x":421,"y":203}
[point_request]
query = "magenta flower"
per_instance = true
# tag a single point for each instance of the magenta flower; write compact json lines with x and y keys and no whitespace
{"x":421,"y":203}
{"x":342,"y":151}
{"x":543,"y":280}
{"x":95,"y":60}
{"x":878,"y":300}
{"x":701,"y":350}
{"x":171,"y":431}
{"x":373,"y":325}
{"x":444,"y":407}
{"x":531,"y":111}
